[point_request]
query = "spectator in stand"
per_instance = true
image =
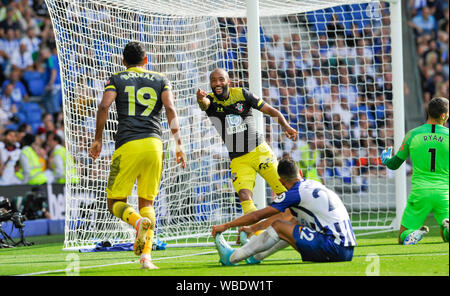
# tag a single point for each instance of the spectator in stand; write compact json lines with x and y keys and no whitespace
{"x":52,"y":97}
{"x":32,"y":43}
{"x":29,"y":21}
{"x":48,"y":126}
{"x":19,"y":93}
{"x":9,"y":155}
{"x":424,"y":22}
{"x":9,"y":103}
{"x":343,"y":110}
{"x":10,"y":23}
{"x":59,"y":159}
{"x":432,"y":47}
{"x":41,"y":10}
{"x":34,"y":79}
{"x":362,"y":132}
{"x":31,"y":170}
{"x":8,"y":46}
{"x":21,"y":59}
{"x":7,"y":108}
{"x":275,"y":48}
{"x":311,"y":156}
{"x":22,"y":130}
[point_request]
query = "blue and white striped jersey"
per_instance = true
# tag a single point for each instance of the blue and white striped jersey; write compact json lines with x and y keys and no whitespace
{"x":319,"y":208}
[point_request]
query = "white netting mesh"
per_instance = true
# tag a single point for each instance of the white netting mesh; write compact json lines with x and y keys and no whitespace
{"x":329,"y":73}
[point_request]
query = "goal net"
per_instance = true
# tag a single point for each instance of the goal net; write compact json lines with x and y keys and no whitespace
{"x":326,"y":65}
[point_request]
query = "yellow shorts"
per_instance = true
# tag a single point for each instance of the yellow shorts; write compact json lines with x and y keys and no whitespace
{"x":140,"y":160}
{"x":260,"y":160}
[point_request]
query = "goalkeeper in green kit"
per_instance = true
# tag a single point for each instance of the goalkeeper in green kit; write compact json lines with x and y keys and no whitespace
{"x":427,"y":145}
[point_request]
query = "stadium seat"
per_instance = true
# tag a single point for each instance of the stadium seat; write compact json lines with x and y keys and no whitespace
{"x":31,"y":113}
{"x":319,"y":19}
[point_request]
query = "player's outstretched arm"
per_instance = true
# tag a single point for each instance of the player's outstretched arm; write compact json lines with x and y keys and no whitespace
{"x":172,"y":118}
{"x":245,"y":220}
{"x":102,"y":116}
{"x":274,"y":113}
{"x":202,"y":100}
{"x":263,"y":224}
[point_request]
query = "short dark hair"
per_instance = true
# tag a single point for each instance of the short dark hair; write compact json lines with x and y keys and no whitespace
{"x":57,"y":138}
{"x":134,"y":53}
{"x":287,"y":168}
{"x":437,"y":106}
{"x":225,"y":72}
{"x":8,"y":131}
{"x":27,"y":140}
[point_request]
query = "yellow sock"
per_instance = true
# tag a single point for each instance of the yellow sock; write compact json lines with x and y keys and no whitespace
{"x":248,"y":206}
{"x":149,"y":212}
{"x":126,"y":212}
{"x":258,"y":232}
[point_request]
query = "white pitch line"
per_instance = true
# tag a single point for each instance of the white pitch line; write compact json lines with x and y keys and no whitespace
{"x":197,"y":254}
{"x":384,"y":231}
{"x":117,"y":263}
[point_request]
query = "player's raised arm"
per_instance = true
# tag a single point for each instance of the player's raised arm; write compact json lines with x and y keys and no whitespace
{"x":202,"y":100}
{"x":274,"y":113}
{"x":392,"y":162}
{"x":172,"y":118}
{"x":102,"y":116}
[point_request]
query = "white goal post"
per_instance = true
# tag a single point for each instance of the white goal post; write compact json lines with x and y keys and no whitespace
{"x":333,"y":68}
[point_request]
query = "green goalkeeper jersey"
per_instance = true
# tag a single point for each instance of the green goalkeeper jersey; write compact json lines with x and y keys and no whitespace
{"x":427,"y":145}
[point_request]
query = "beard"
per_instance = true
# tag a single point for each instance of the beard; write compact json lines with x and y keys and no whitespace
{"x":222,"y":96}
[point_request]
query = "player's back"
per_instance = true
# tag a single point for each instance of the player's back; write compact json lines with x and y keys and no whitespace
{"x":429,"y":152}
{"x":138,"y":103}
{"x":321,"y":209}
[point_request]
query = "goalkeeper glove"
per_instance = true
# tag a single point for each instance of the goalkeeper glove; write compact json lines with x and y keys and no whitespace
{"x":386,"y":155}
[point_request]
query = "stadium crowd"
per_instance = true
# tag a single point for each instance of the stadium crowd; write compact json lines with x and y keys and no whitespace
{"x":337,"y":91}
{"x":30,"y":89}
{"x":430,"y":24}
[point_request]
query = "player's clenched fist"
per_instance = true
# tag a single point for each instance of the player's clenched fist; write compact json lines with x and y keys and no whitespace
{"x":218,"y":229}
{"x":95,"y":150}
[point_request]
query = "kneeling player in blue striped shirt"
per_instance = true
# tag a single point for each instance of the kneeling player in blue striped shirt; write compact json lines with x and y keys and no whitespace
{"x":319,"y":228}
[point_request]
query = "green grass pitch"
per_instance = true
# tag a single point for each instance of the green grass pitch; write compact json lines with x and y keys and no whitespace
{"x":376,"y":254}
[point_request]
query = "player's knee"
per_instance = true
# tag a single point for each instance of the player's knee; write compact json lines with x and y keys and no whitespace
{"x":444,"y":235}
{"x":399,"y":239}
{"x":401,"y":235}
{"x":117,"y":208}
{"x":245,"y":194}
{"x":277,"y":225}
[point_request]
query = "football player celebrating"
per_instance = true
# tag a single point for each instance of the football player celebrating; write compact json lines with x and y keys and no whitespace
{"x":139,"y":96}
{"x":230,"y":110}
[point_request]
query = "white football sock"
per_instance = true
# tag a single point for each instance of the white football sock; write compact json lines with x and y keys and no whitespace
{"x":256,"y":244}
{"x":281,"y":244}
